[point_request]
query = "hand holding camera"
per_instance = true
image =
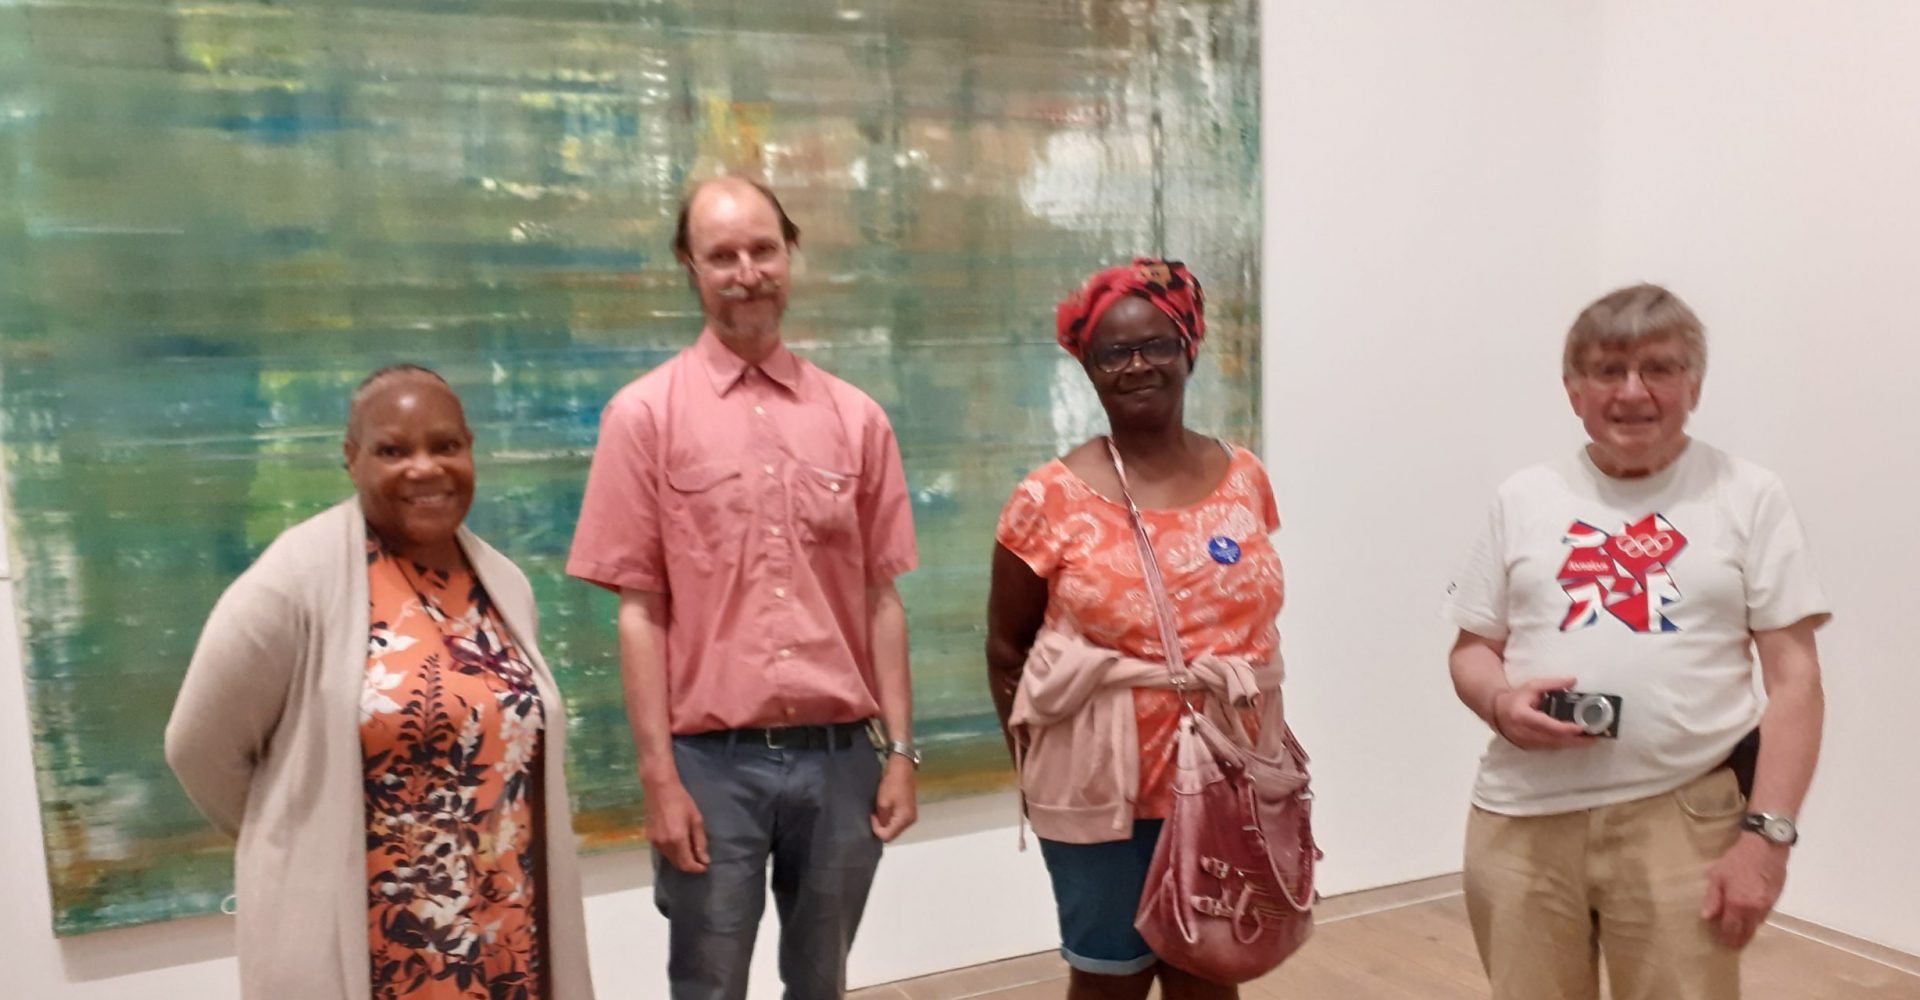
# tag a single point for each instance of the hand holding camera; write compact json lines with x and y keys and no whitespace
{"x":1517,"y":715}
{"x":1596,"y":714}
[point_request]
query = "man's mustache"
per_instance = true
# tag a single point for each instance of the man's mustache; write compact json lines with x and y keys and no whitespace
{"x":737,"y":293}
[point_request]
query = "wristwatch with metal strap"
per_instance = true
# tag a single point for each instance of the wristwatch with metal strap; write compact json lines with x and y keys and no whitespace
{"x":1776,"y":828}
{"x":907,"y":750}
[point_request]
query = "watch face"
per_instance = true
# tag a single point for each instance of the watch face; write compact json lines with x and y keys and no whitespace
{"x":1778,"y":830}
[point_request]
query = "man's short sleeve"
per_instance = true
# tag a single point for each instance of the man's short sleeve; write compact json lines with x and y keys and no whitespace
{"x":1781,"y":586}
{"x":1477,"y":596}
{"x":885,"y":508}
{"x":617,"y":542}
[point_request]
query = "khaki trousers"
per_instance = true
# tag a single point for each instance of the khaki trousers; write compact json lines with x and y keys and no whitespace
{"x":1549,"y":896}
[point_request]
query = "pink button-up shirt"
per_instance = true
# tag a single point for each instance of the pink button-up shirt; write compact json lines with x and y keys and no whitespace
{"x":763,"y":500}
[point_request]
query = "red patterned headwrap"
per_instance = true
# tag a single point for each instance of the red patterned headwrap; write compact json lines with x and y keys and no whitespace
{"x":1165,"y":283}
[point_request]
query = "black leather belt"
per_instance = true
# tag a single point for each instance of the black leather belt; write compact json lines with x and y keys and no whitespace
{"x":838,"y":736}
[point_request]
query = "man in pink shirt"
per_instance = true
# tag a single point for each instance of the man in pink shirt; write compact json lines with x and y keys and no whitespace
{"x":751,"y":512}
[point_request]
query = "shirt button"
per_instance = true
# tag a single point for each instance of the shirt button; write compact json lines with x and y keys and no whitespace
{"x":768,"y":469}
{"x":785,"y":653}
{"x":759,"y":411}
{"x":790,"y":713}
{"x":1183,"y":595}
{"x":834,"y":487}
{"x":774,"y":531}
{"x":780,"y":592}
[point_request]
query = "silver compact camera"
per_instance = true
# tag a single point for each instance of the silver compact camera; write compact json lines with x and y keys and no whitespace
{"x":1595,"y":714}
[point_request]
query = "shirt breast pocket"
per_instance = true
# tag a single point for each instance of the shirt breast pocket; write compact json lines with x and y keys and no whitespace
{"x":824,"y":504}
{"x":707,"y":506}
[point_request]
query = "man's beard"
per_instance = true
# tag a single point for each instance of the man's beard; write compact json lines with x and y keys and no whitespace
{"x":733,"y":316}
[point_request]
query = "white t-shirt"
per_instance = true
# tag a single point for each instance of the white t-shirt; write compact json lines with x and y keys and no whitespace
{"x":1645,"y":588}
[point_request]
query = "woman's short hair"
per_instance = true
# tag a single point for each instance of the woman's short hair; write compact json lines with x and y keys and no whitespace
{"x":1633,"y":315}
{"x":371,"y":384}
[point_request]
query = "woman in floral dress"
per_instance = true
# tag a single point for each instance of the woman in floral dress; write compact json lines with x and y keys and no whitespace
{"x":386,"y":615}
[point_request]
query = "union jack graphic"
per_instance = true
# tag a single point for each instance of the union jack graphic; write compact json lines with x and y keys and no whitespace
{"x":1624,"y":574}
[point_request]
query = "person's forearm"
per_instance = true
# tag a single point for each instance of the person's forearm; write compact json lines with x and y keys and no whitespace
{"x":1790,"y":733}
{"x":1791,"y":726}
{"x":231,"y":699}
{"x":643,"y":682}
{"x":1479,"y":675}
{"x":887,"y":631}
{"x":1006,"y":662}
{"x":1016,"y":611}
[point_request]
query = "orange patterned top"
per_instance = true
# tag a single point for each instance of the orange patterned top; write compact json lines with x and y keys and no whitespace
{"x":450,"y":730}
{"x":1222,"y":575}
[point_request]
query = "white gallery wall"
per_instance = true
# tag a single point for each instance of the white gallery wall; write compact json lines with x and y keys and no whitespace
{"x":1430,"y":193}
{"x":1447,"y":183}
{"x":1763,"y":158}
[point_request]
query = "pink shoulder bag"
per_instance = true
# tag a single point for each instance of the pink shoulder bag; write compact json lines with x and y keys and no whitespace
{"x":1230,"y":892}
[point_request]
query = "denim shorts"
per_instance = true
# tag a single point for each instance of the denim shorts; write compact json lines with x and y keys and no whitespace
{"x":1097,"y":890}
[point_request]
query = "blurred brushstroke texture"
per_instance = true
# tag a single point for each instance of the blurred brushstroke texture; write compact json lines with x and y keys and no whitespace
{"x":214,"y":218}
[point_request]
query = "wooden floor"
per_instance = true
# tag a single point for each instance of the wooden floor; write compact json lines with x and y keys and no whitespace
{"x":1422,"y":950}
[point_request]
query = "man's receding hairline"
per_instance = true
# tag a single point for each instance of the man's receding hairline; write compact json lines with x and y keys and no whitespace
{"x":733,"y":186}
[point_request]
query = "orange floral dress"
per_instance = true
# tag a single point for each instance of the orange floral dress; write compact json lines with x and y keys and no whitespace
{"x":451,"y":729}
{"x":1222,"y":575}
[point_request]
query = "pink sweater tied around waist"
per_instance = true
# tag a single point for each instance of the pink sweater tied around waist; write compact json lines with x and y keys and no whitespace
{"x":1076,"y":749}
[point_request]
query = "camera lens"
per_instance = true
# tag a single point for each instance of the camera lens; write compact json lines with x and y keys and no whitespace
{"x":1594,"y":714}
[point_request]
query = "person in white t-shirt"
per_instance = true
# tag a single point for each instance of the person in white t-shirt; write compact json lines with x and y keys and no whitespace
{"x":1650,"y":568}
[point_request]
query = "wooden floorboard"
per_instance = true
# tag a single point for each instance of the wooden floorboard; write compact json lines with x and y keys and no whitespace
{"x":1422,"y":949}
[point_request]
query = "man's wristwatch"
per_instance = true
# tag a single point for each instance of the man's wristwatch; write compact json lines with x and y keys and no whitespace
{"x":907,"y":750}
{"x":1776,"y":828}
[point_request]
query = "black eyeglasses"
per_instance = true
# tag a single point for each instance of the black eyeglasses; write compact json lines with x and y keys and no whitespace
{"x":1158,"y":352}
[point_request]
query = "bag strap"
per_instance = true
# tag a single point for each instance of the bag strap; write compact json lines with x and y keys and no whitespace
{"x":1156,"y":584}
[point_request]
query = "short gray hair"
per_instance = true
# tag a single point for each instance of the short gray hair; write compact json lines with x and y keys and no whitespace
{"x":1634,"y":315}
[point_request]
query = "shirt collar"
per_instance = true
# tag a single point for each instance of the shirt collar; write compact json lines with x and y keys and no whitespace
{"x":726,"y":368}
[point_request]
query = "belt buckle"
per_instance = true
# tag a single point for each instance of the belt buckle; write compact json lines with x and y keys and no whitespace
{"x":771,"y":736}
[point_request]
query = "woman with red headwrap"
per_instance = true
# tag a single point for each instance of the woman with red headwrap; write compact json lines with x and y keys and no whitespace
{"x":1074,"y":654}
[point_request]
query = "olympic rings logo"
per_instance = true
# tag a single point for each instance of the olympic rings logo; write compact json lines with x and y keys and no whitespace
{"x":1649,"y":546}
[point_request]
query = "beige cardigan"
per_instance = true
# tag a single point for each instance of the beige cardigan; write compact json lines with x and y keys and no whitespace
{"x":264,"y":738}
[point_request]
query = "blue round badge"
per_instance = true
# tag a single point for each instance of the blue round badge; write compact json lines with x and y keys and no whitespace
{"x":1224,"y":550}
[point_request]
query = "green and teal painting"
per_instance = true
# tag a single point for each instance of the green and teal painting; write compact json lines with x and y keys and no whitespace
{"x":216,"y":217}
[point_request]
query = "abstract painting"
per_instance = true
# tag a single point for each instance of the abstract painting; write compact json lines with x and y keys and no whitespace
{"x":216,"y":218}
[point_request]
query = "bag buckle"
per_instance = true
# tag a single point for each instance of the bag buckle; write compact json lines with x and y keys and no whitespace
{"x":1208,"y":906}
{"x":1215,"y":867}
